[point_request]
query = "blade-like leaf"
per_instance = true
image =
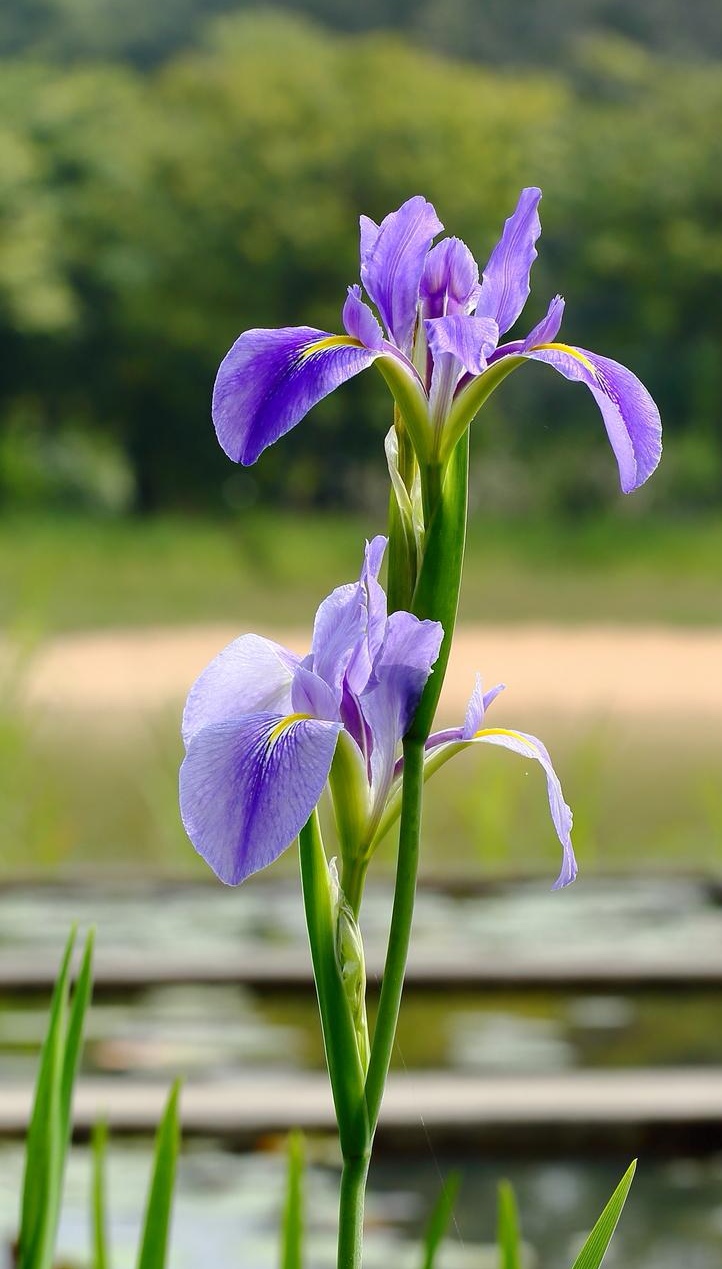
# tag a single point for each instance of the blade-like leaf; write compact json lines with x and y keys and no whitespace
{"x":594,"y":1249}
{"x":292,"y":1232}
{"x":508,"y":1234}
{"x":99,"y":1218}
{"x":82,"y":991}
{"x":438,"y":1222}
{"x":46,"y":1144}
{"x":154,"y":1243}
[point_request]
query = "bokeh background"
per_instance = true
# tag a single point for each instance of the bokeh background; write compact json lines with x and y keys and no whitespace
{"x":173,"y":174}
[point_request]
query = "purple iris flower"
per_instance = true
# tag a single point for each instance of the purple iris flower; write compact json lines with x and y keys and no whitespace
{"x":264,"y":730}
{"x":438,"y":348}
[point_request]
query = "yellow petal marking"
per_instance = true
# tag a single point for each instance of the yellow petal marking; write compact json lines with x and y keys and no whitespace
{"x":284,"y":724}
{"x":331,"y":341}
{"x":502,"y":731}
{"x":573,"y":352}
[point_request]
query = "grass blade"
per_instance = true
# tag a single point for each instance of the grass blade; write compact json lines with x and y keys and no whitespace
{"x":594,"y":1249}
{"x":292,"y":1230}
{"x":154,"y":1243}
{"x":82,"y":992}
{"x":439,"y":1220}
{"x":99,"y":1221}
{"x":508,"y":1233}
{"x":46,"y":1144}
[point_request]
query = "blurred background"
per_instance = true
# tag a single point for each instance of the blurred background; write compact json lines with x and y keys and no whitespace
{"x":173,"y":174}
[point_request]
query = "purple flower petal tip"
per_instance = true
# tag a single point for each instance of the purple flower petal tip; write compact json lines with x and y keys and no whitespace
{"x":392,"y":263}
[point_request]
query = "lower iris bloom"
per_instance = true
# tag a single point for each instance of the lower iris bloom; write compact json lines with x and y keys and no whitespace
{"x":437,"y":344}
{"x":266,"y":731}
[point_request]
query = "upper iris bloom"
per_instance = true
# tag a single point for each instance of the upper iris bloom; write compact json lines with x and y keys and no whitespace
{"x":437,"y":345}
{"x":265,"y":730}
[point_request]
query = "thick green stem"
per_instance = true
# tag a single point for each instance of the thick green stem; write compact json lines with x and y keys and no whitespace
{"x":351,"y":1211}
{"x":400,"y":931}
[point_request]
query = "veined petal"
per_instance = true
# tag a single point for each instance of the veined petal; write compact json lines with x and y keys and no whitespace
{"x":392,"y":262}
{"x":399,"y":676}
{"x":505,"y":284}
{"x":350,"y":626}
{"x":248,"y":786}
{"x":271,"y":378}
{"x":469,"y":339}
{"x":479,"y":702}
{"x":250,"y":676}
{"x":450,"y":281}
{"x":547,"y":329}
{"x":630,"y":415}
{"x":359,"y":321}
{"x":529,"y":747}
{"x":311,"y":695}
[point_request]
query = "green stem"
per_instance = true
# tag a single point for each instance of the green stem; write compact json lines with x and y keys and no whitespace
{"x":400,"y":931}
{"x":337,"y":1025}
{"x":351,"y":1211}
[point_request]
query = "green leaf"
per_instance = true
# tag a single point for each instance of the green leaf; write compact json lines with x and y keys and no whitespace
{"x":292,"y":1245}
{"x":439,"y":1220}
{"x":82,"y":992}
{"x":154,"y":1243}
{"x":594,"y":1249}
{"x":46,"y":1143}
{"x":99,"y":1222}
{"x":508,"y":1234}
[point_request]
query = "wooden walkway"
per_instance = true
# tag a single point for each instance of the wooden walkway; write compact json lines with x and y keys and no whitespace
{"x":288,"y":971}
{"x":586,"y":1110}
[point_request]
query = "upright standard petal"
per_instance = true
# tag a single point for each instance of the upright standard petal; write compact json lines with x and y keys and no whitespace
{"x":505,"y":284}
{"x":529,"y":747}
{"x":630,"y":415}
{"x":469,"y":339}
{"x":548,"y":328}
{"x":350,"y":626}
{"x":248,"y":786}
{"x":450,"y":281}
{"x":392,"y":262}
{"x":250,"y":676}
{"x":271,"y":378}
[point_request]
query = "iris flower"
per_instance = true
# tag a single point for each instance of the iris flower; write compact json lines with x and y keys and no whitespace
{"x":437,"y":344}
{"x":266,"y":731}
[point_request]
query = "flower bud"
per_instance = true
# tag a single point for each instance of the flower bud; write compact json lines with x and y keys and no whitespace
{"x":350,"y":962}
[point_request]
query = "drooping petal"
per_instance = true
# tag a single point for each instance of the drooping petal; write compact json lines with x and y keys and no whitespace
{"x":350,"y":626}
{"x":469,"y":339}
{"x":399,"y":676}
{"x":450,"y":281}
{"x":359,"y":321}
{"x":271,"y":378}
{"x":248,"y":786}
{"x":529,"y":747}
{"x":630,"y":415}
{"x":392,"y":262}
{"x":548,"y":328}
{"x":505,"y":284}
{"x":252,"y":675}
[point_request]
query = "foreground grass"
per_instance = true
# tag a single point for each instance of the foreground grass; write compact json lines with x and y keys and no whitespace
{"x":70,"y":574}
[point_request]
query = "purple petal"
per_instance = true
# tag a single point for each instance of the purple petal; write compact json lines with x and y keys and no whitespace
{"x":469,"y":339}
{"x":450,"y":281}
{"x":505,"y":286}
{"x":529,"y":747}
{"x":248,"y":786}
{"x":392,"y":262}
{"x":547,"y":329}
{"x":271,"y":378}
{"x":360,"y":322}
{"x":630,"y":416}
{"x":350,"y":625}
{"x":252,"y":675}
{"x":311,"y":695}
{"x":479,"y":702}
{"x":400,"y":674}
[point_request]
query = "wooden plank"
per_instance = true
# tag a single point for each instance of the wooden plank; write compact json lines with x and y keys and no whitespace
{"x":288,"y":971}
{"x":577,"y":1109}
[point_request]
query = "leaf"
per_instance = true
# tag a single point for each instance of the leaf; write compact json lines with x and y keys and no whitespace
{"x":46,"y":1144}
{"x":154,"y":1243}
{"x":594,"y":1249}
{"x":508,"y":1234}
{"x":82,"y":992}
{"x":292,"y":1230}
{"x":439,"y":1220}
{"x":99,"y":1221}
